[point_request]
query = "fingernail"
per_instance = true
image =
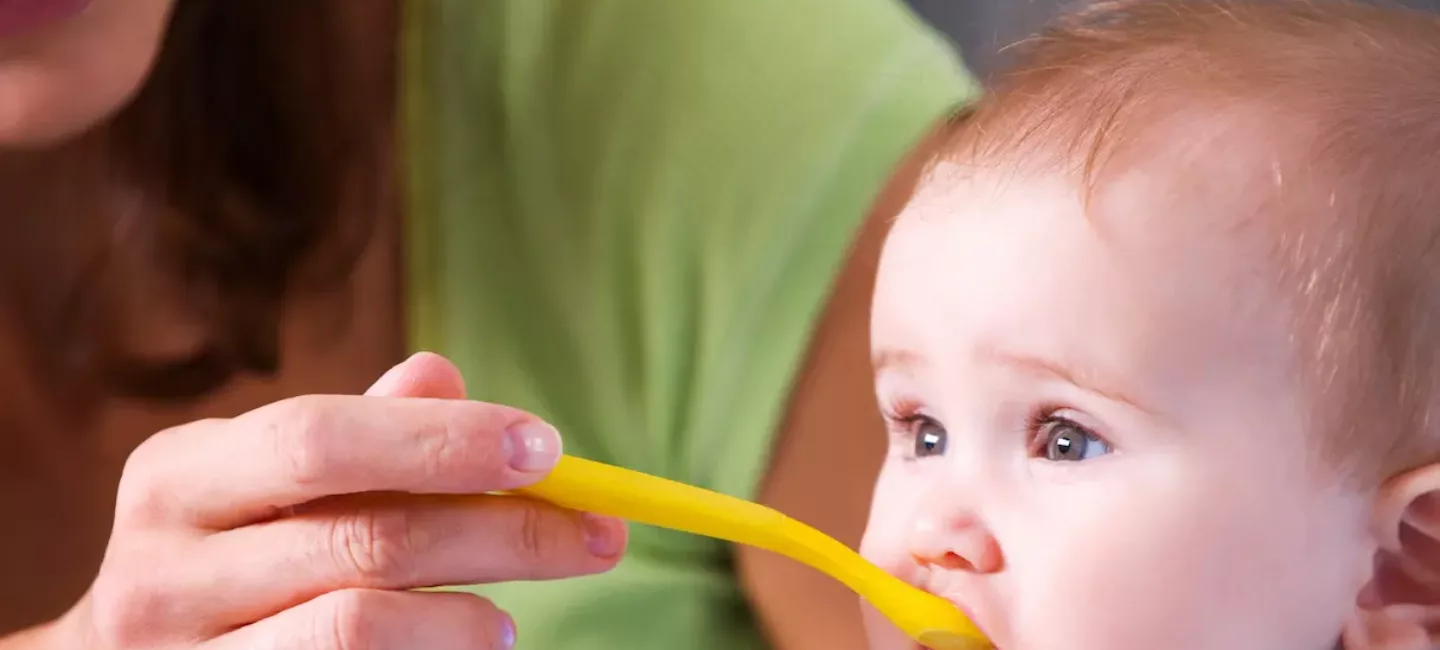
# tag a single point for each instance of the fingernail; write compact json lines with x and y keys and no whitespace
{"x":532,"y":446}
{"x":602,"y":536}
{"x":507,"y":631}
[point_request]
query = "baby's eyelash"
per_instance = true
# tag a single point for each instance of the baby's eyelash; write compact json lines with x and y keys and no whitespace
{"x":899,"y":408}
{"x":1039,"y":416}
{"x":901,"y":415}
{"x":1042,"y":419}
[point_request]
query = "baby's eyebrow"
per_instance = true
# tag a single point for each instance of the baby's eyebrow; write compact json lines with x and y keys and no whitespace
{"x":1083,"y":378}
{"x":902,"y":361}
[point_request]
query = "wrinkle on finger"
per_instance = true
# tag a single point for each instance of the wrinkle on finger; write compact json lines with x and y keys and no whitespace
{"x":397,"y":541}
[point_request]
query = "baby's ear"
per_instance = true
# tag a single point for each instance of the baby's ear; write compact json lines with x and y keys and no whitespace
{"x":1399,"y":609}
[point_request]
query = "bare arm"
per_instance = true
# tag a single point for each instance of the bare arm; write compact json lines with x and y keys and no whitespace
{"x":829,"y":450}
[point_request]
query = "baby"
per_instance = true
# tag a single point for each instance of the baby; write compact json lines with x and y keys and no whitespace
{"x":1158,"y":338}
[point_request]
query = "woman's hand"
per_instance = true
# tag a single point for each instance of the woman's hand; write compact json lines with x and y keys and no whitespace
{"x":302,"y":525}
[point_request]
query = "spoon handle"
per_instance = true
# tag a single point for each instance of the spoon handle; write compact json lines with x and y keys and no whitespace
{"x":591,"y":486}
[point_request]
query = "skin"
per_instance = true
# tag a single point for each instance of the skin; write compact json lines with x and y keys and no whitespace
{"x":1188,"y":511}
{"x":58,"y":84}
{"x":67,"y":76}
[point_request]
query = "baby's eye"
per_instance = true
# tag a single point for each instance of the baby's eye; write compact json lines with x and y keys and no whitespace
{"x":930,"y":436}
{"x":1062,"y":440}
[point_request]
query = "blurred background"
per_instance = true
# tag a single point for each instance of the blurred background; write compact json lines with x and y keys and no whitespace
{"x":982,"y":28}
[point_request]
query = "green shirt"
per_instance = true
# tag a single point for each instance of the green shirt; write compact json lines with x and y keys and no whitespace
{"x":625,"y":216}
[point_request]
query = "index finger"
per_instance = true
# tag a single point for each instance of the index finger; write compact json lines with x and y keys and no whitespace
{"x":231,"y":472}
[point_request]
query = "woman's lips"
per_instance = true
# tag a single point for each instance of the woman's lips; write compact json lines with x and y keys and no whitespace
{"x":21,"y":16}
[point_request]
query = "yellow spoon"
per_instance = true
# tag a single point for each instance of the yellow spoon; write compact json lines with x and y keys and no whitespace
{"x":608,"y":490}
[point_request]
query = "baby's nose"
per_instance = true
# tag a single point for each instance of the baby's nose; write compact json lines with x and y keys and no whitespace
{"x":957,"y":541}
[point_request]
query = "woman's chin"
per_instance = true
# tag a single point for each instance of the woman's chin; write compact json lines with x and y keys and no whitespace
{"x":22,"y":17}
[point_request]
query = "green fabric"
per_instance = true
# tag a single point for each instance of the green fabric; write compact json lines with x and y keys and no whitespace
{"x":625,"y":216}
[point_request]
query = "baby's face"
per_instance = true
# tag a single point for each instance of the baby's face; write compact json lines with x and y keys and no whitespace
{"x":1097,"y":435}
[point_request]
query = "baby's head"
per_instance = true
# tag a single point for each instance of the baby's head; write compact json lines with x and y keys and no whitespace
{"x":1158,"y":338}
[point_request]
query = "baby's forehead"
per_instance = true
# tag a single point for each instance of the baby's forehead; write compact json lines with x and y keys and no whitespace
{"x":1181,"y":161}
{"x":1204,"y":191}
{"x":1023,"y":258}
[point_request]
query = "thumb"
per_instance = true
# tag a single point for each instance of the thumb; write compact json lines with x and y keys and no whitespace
{"x":425,"y":374}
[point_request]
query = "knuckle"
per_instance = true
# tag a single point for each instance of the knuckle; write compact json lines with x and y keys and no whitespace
{"x":463,"y":442}
{"x":127,"y":608}
{"x":143,"y":493}
{"x":537,"y":539}
{"x":140,"y":496}
{"x":297,"y":427}
{"x":372,"y":545}
{"x":442,"y":448}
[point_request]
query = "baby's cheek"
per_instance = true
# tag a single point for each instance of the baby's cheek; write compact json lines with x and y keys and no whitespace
{"x":887,"y":541}
{"x":884,"y":546}
{"x":1108,"y":565}
{"x":1186,"y":563}
{"x":892,"y":509}
{"x":884,"y":542}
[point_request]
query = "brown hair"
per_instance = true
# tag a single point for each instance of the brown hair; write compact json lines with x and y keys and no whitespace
{"x":253,"y":138}
{"x":1343,"y":97}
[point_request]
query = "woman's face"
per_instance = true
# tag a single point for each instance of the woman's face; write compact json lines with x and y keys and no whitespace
{"x":65,"y":65}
